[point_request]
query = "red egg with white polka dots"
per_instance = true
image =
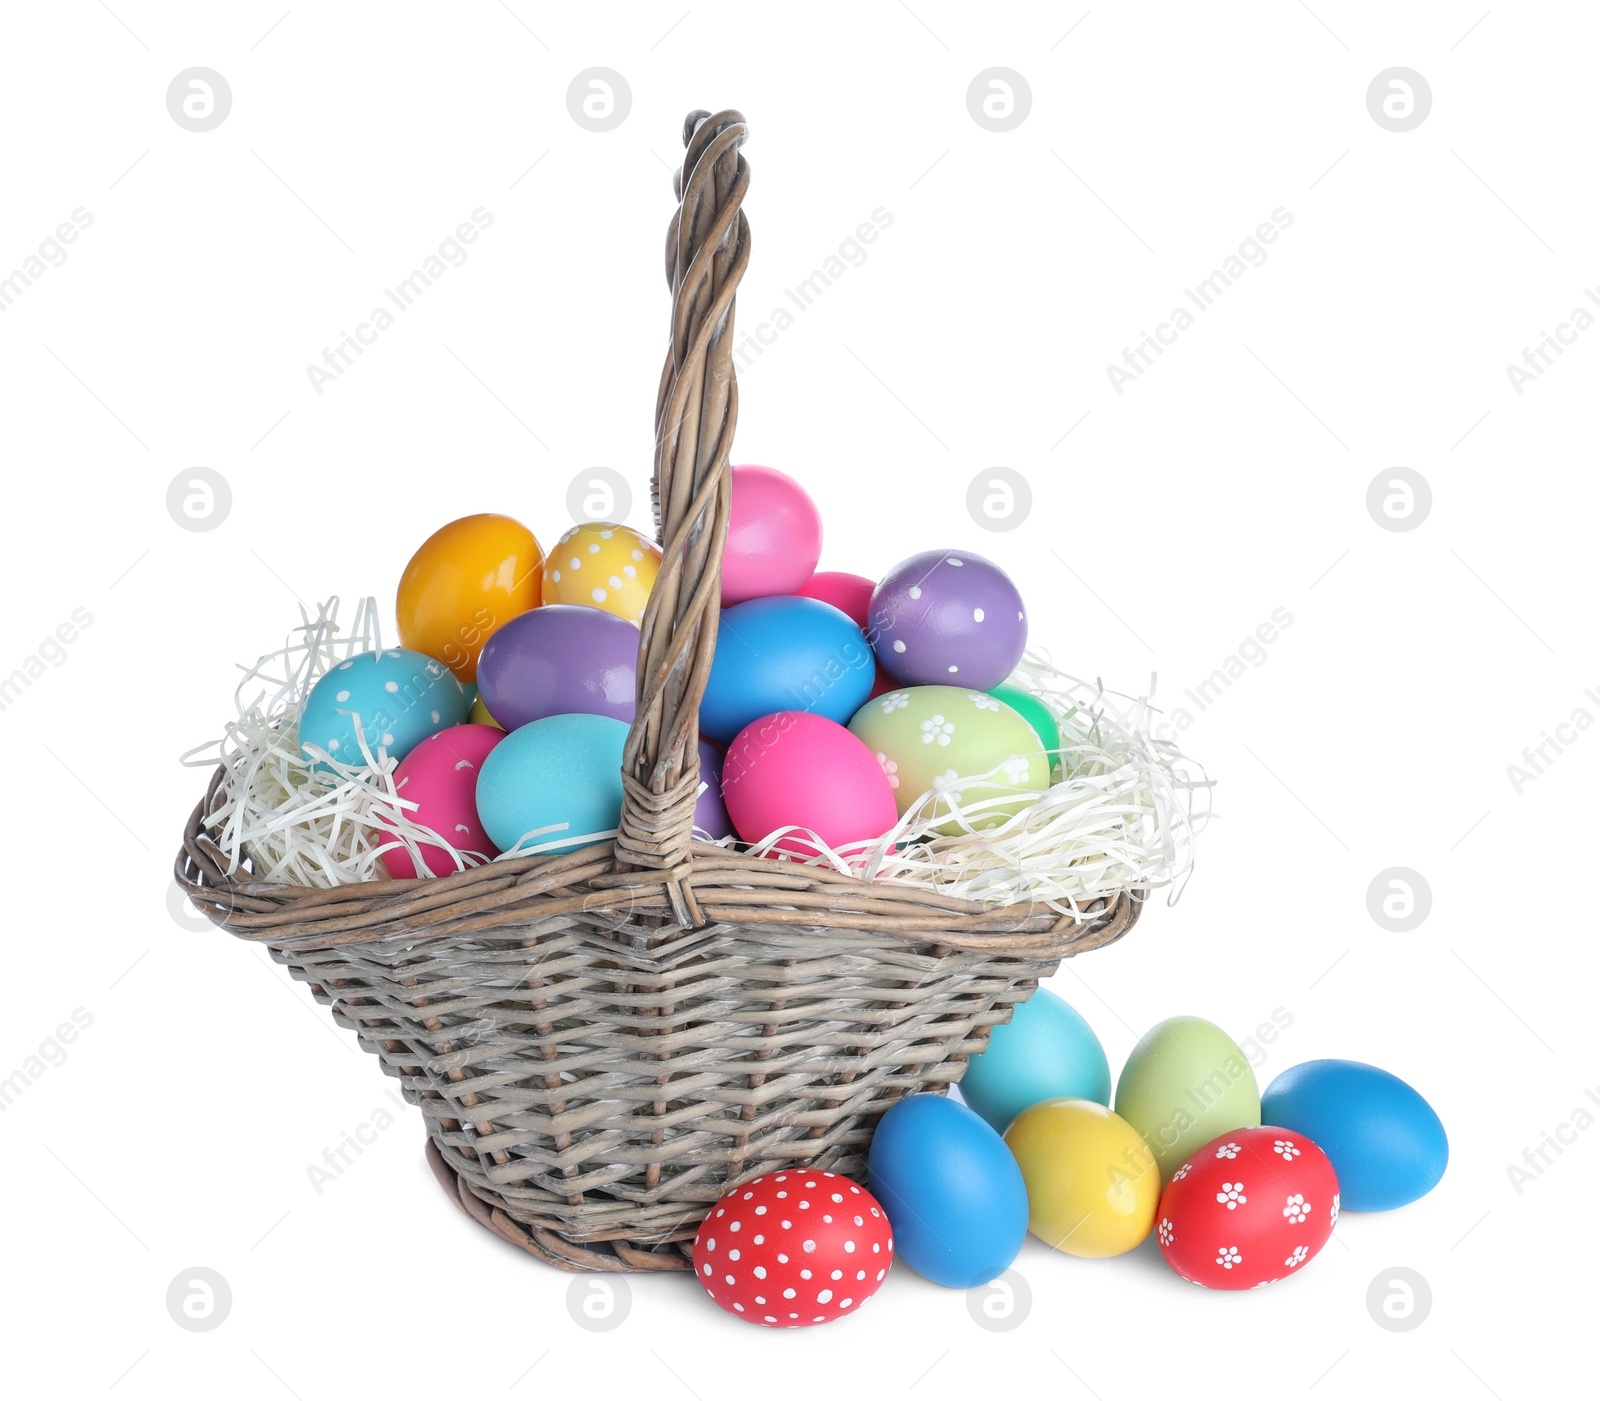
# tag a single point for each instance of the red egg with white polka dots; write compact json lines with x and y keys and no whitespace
{"x":794,"y":1248}
{"x":1248,"y":1209}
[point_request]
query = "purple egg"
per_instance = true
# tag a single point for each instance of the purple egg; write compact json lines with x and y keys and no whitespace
{"x":710,"y":816}
{"x":946,"y":618}
{"x":559,"y":660}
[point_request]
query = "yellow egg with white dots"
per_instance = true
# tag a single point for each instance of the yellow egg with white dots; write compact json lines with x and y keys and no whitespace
{"x":605,"y":566}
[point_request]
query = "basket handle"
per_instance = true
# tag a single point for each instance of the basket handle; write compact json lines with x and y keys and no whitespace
{"x":708,"y":249}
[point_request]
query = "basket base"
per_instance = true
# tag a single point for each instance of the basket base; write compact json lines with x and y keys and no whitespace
{"x":616,"y":1257}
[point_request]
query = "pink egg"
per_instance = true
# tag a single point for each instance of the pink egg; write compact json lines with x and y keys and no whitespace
{"x":849,"y":593}
{"x":796,"y":769}
{"x":441,"y":777}
{"x":774,"y":536}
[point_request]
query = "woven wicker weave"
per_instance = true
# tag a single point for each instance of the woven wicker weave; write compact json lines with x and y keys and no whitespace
{"x":604,"y":1041}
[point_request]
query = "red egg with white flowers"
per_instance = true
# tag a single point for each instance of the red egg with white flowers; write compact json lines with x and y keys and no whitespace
{"x":1248,"y":1209}
{"x":794,"y":1248}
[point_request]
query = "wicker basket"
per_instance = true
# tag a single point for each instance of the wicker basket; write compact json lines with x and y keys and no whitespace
{"x":603,"y":1042}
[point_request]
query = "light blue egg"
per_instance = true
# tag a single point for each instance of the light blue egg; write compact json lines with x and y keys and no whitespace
{"x":1046,"y":1051}
{"x":563,"y":772}
{"x":954,"y":1194}
{"x":785,"y":653}
{"x":1384,"y":1140}
{"x":398,"y":698}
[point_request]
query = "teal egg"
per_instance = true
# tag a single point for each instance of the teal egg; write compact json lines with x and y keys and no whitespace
{"x":1046,"y":1051}
{"x":551,"y":777}
{"x":394,"y":699}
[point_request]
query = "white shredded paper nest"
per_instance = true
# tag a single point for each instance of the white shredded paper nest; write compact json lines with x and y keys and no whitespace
{"x":1122,"y":817}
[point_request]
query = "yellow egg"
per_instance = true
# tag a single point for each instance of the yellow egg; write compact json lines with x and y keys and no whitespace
{"x":479,"y":714}
{"x":1093,"y":1184}
{"x":597,"y":565}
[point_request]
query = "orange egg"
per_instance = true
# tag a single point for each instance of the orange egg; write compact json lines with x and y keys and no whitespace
{"x":468,"y":579}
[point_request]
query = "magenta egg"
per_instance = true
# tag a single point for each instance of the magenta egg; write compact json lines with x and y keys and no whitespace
{"x":851,"y":594}
{"x":797,"y":769}
{"x":441,"y":777}
{"x":774,"y":536}
{"x":947,"y":618}
{"x":559,"y":660}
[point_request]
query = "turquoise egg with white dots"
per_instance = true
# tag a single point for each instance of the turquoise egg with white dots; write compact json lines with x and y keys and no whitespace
{"x":394,"y":699}
{"x":968,"y":746}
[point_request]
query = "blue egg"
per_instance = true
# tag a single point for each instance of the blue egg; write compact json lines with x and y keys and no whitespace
{"x":785,"y":654}
{"x":394,"y":699}
{"x":1384,"y":1140}
{"x":1046,"y":1051}
{"x":954,"y":1193}
{"x":551,"y":777}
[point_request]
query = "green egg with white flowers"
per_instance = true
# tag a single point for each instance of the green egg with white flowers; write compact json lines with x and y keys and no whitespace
{"x":970,"y":747}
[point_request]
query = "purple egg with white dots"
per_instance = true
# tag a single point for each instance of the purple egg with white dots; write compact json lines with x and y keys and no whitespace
{"x":392,"y":699}
{"x":948,"y":617}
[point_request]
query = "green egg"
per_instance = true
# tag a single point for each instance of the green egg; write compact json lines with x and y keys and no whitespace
{"x":928,"y":736}
{"x":1186,"y":1083}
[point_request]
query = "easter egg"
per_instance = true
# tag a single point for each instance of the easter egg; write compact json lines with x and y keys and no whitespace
{"x":928,"y":737}
{"x":1185,"y":1083}
{"x":953,"y":1192}
{"x":479,"y":714}
{"x":599,"y":565}
{"x":560,"y":660}
{"x":395,"y":699}
{"x":777,"y":654}
{"x":466,"y":580}
{"x":792,"y":1249}
{"x":710,"y":812}
{"x":1092,"y":1183}
{"x":948,"y":616}
{"x":851,"y":594}
{"x":556,"y":782}
{"x":795,"y":769}
{"x":1248,"y":1209}
{"x":441,"y":777}
{"x":774,"y":536}
{"x":1046,"y":1051}
{"x":1383,"y":1138}
{"x":1038,"y":715}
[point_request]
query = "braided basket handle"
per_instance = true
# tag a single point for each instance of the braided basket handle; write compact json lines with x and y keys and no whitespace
{"x":708,"y":249}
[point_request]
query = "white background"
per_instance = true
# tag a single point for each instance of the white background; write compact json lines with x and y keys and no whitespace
{"x":1170,"y":522}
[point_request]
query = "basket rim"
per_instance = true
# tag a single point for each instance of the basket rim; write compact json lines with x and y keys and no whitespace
{"x":731,"y":888}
